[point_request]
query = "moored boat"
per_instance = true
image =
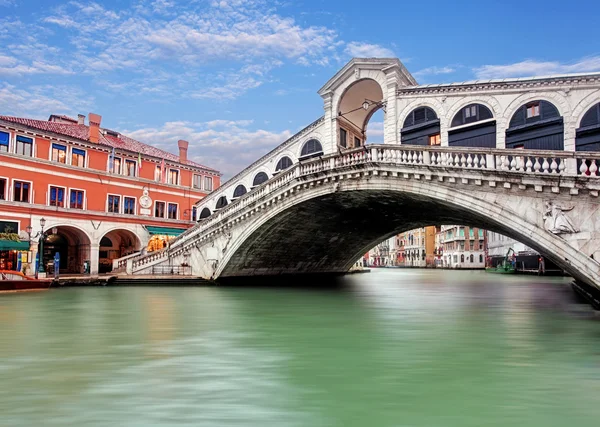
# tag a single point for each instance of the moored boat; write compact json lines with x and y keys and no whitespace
{"x":506,"y":266}
{"x":17,"y":281}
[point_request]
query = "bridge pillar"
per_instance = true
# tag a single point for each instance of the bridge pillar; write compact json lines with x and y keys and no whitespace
{"x":94,"y":259}
{"x":329,"y":125}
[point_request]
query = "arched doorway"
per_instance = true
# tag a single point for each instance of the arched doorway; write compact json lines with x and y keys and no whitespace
{"x":356,"y":107}
{"x":116,"y":244}
{"x":536,"y":125}
{"x":72,"y":245}
{"x":421,"y":127}
{"x":473,"y":126}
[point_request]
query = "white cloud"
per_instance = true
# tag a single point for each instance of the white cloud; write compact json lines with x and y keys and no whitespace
{"x":226,"y":145}
{"x":41,"y":101}
{"x":537,"y":68}
{"x":11,"y":66}
{"x":366,"y":50}
{"x":8,"y":3}
{"x":435,"y":71}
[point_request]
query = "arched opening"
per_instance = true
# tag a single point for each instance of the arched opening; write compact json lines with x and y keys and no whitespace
{"x":72,"y":246}
{"x":588,"y":134}
{"x":116,"y":244}
{"x":205,"y":213}
{"x":337,"y":228}
{"x":311,"y":148}
{"x":472,"y":127}
{"x":374,"y":129}
{"x":356,"y":107}
{"x":421,"y":127}
{"x":536,"y":125}
{"x":260,"y":178}
{"x":283,"y":163}
{"x":239,"y":191}
{"x":221,"y":203}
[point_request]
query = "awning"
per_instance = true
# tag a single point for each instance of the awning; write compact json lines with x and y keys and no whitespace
{"x":165,"y":231}
{"x":11,"y":245}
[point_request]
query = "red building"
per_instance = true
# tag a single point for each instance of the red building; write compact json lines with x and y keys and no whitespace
{"x":102,"y":195}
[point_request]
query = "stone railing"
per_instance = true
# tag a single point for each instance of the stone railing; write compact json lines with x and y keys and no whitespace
{"x":560,"y":163}
{"x":120,"y":264}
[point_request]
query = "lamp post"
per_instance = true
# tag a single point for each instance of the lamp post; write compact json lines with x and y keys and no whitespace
{"x":41,"y":270}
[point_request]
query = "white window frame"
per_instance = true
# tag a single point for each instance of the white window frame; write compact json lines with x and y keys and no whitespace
{"x":6,"y":189}
{"x":10,"y":140}
{"x":159,"y":169}
{"x":126,"y":170}
{"x":120,"y":165}
{"x":212,"y":183}
{"x":12,"y":190}
{"x":85,"y":160}
{"x":166,"y":214}
{"x":135,"y":205}
{"x":13,"y":140}
{"x":178,"y":176}
{"x":67,"y":151}
{"x":194,"y":179}
{"x":84,"y":199}
{"x":167,"y":210}
{"x":120,"y":204}
{"x":48,"y":195}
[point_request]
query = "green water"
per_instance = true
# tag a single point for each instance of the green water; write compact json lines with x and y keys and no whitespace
{"x":391,"y":348}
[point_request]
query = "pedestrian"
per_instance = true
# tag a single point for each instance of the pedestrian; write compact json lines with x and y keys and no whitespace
{"x":56,"y":264}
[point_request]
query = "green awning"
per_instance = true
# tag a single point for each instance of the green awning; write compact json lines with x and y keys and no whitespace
{"x":11,"y":245}
{"x":165,"y":231}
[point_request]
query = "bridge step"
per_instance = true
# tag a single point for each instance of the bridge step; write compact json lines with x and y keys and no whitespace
{"x":161,"y":281}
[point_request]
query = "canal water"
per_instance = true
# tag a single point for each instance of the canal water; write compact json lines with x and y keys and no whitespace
{"x":390,"y":348}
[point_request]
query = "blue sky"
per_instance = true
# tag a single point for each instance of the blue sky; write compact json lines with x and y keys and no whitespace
{"x":237,"y":77}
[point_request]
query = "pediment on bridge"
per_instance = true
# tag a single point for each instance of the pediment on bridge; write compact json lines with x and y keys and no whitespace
{"x":359,"y":68}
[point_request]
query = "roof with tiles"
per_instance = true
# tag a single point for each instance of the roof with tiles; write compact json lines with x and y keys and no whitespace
{"x":81,"y":132}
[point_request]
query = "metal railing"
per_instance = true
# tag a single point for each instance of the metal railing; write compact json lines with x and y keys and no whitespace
{"x":178,"y":270}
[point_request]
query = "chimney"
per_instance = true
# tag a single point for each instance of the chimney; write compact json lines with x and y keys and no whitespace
{"x":183,"y":146}
{"x":80,"y":119}
{"x":94,"y":120}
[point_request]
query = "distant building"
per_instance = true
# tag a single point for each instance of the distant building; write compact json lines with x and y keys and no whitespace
{"x":462,"y":247}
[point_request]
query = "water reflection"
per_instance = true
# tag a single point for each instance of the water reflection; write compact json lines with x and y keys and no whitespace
{"x":393,"y":347}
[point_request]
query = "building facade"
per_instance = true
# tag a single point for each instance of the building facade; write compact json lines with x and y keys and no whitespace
{"x":99,"y":195}
{"x":462,"y":247}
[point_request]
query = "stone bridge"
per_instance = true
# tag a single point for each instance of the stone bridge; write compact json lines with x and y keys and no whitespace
{"x":519,"y":157}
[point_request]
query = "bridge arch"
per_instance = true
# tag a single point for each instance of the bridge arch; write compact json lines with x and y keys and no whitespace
{"x":556,"y":99}
{"x":347,"y":220}
{"x":358,"y":101}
